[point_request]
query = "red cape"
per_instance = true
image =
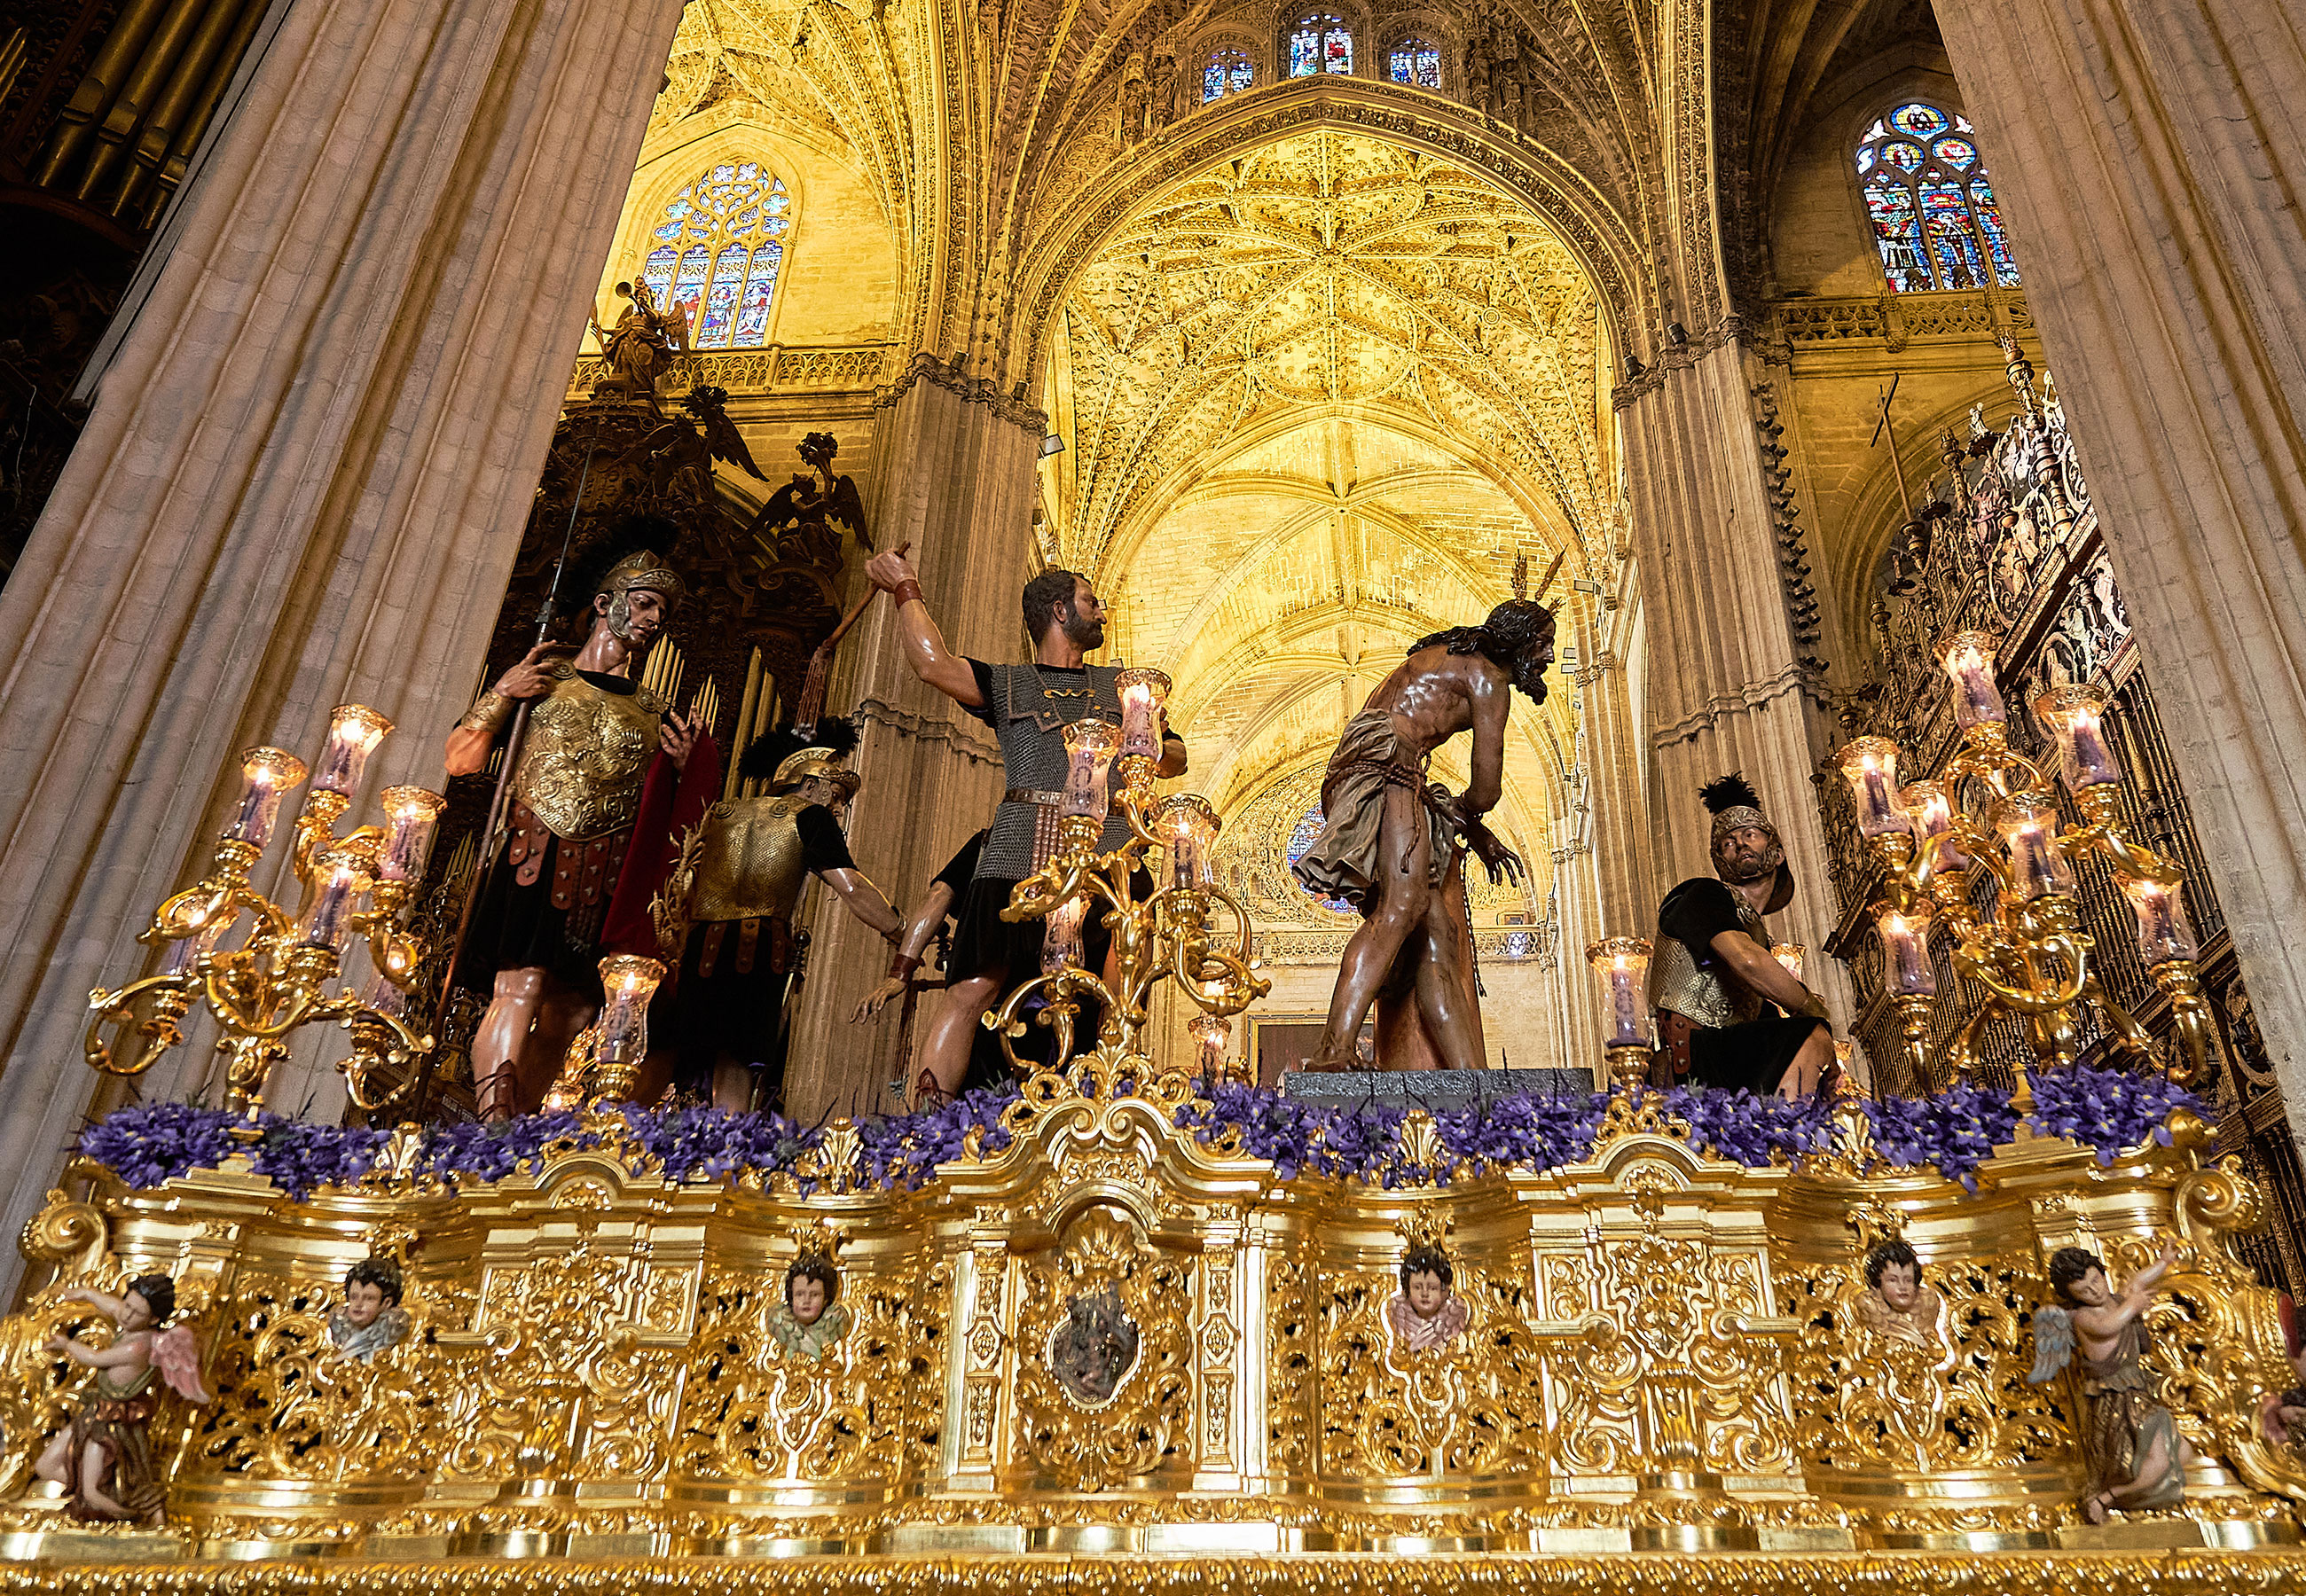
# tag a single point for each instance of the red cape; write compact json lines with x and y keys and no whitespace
{"x":671,"y":801}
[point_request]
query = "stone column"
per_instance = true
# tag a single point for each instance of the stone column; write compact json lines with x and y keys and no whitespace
{"x":951,"y":472}
{"x":307,"y":468}
{"x":2147,"y":163}
{"x":1603,"y":852}
{"x":1725,"y":688}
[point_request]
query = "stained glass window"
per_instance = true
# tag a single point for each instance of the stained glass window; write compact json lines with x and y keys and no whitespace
{"x":1935,"y":220}
{"x":1320,"y":42}
{"x":718,"y":252}
{"x":1417,"y":63}
{"x":1228,"y":72}
{"x":1302,"y":837}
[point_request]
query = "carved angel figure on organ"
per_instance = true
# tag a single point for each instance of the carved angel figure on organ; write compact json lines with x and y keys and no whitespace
{"x":1426,"y":1313}
{"x":809,"y":1323}
{"x":104,"y":1458}
{"x":2135,"y":1457}
{"x":639,"y":349}
{"x":1897,"y":1303}
{"x":371,"y":1319}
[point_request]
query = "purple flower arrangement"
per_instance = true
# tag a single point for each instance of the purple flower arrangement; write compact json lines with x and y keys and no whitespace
{"x":1357,"y":1142}
{"x":152,"y":1142}
{"x":1744,"y":1129}
{"x":1954,"y":1132}
{"x":1523,"y":1132}
{"x":2108,"y":1109}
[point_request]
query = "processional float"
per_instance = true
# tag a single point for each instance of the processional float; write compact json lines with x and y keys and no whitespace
{"x":1133,"y":1308}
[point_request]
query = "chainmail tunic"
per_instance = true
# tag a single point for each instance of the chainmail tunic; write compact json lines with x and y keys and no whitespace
{"x":1029,"y":715}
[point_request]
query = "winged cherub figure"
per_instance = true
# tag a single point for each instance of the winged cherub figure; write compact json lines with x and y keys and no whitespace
{"x":104,"y":1458}
{"x":673,"y":460}
{"x":2136,"y":1457}
{"x":816,"y":504}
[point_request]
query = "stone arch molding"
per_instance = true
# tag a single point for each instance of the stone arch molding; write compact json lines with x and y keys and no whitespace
{"x":1601,"y":238}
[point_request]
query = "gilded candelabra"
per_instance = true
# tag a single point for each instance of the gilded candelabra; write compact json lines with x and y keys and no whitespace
{"x":1993,"y":810}
{"x":273,"y":978}
{"x":1169,"y":933}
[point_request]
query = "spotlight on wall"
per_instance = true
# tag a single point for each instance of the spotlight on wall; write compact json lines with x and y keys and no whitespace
{"x":1052,"y":445}
{"x":1676,"y":334}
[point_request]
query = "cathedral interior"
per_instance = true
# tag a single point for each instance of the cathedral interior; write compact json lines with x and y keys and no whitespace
{"x":1766,"y":342}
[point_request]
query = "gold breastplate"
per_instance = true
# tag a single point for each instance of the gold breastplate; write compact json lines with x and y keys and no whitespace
{"x":587,"y":750}
{"x":1675,"y":983}
{"x":748,"y":860}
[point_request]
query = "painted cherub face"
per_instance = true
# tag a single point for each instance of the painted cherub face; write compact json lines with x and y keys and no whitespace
{"x":2091,"y":1290}
{"x":135,"y":1313}
{"x":1900,"y":1287}
{"x":1426,"y":1294}
{"x":363,"y":1301}
{"x":808,"y":1299}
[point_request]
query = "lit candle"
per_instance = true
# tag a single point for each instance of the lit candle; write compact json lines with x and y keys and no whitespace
{"x":628,"y":982}
{"x":1213,"y":1033}
{"x":1622,"y":962}
{"x":410,"y":812}
{"x":1143,"y":691}
{"x":2029,"y":830}
{"x":1089,"y":746}
{"x":1968,"y":659}
{"x":1870,"y":765}
{"x":1930,"y":815}
{"x":2076,"y":717}
{"x":1789,"y":956}
{"x":186,"y":952}
{"x":1187,"y":826}
{"x":384,"y":997}
{"x":265,"y":774}
{"x":2165,"y":933}
{"x":1061,"y":938}
{"x":339,"y":878}
{"x":1906,"y":968}
{"x":354,"y":729}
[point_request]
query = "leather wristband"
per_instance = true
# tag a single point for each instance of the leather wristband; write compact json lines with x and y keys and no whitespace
{"x":901,"y":967}
{"x":908,"y":591}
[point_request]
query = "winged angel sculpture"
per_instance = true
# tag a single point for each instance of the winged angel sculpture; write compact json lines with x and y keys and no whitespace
{"x":813,"y":510}
{"x":670,"y":464}
{"x":104,"y":1458}
{"x":2135,"y":1457}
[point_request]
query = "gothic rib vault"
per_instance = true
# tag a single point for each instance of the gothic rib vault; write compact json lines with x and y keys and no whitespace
{"x":1315,"y":400}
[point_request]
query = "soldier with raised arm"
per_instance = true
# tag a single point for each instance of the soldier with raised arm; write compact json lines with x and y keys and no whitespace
{"x":1028,"y":707}
{"x":1389,"y":841}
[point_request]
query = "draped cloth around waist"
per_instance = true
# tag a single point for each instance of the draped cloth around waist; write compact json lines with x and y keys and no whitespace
{"x":1344,"y":860}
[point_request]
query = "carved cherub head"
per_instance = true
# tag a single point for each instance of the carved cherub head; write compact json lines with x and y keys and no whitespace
{"x":1426,"y":1278}
{"x":811,"y":1284}
{"x":1895,"y":1270}
{"x":371,"y":1287}
{"x":150,"y":1300}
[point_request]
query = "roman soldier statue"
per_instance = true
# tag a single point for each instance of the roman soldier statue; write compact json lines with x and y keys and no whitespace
{"x":538,"y":927}
{"x":1028,"y":707}
{"x":1713,"y":977}
{"x":724,"y":919}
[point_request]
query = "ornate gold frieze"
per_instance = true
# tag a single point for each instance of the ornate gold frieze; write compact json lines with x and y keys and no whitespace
{"x":1109,"y":1337}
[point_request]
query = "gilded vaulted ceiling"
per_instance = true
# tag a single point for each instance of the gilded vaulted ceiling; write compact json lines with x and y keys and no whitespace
{"x":1315,"y":402}
{"x":983,"y":126}
{"x":1334,"y":272}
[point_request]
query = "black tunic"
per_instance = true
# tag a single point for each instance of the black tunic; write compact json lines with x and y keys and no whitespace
{"x":1751,"y":1057}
